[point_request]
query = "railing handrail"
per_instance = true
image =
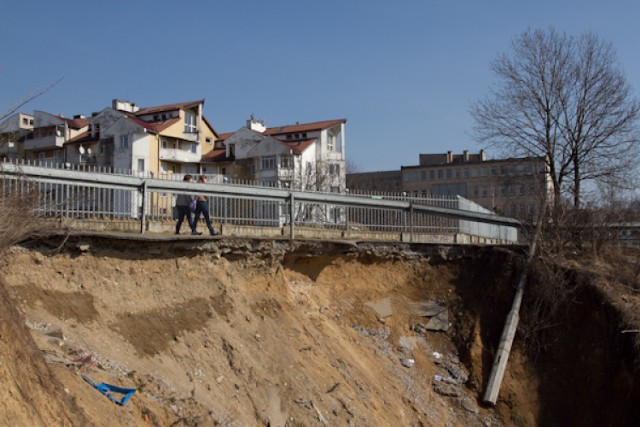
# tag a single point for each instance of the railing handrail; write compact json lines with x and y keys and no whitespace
{"x":106,"y":180}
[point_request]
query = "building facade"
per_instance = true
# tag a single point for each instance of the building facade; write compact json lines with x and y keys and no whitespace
{"x":308,"y":156}
{"x":13,"y":131}
{"x":515,"y":187}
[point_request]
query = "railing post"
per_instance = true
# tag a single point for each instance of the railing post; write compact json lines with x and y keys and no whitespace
{"x":411,"y":222}
{"x":291,"y":216}
{"x":143,"y":212}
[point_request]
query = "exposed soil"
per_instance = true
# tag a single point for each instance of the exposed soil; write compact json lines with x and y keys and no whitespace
{"x":240,"y":332}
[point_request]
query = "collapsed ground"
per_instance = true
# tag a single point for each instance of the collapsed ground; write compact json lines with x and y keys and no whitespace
{"x":246,"y":332}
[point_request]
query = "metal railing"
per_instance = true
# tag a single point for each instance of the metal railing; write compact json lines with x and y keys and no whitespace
{"x":80,"y":194}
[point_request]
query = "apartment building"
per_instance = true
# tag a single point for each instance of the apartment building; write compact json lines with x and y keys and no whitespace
{"x":50,"y":133}
{"x":309,"y":156}
{"x":163,"y":139}
{"x":13,"y":130}
{"x":514,"y":187}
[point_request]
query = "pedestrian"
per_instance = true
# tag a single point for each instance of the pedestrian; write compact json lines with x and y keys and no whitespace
{"x":184,"y":211}
{"x":202,"y":207}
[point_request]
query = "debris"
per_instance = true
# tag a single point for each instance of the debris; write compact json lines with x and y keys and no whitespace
{"x":55,"y":333}
{"x":108,"y":389}
{"x":333,"y":388}
{"x":430,"y":309}
{"x":382,"y":307}
{"x":407,"y":363}
{"x":323,"y":309}
{"x":440,"y":322}
{"x":320,"y":417}
{"x":437,"y":355}
{"x":445,"y":389}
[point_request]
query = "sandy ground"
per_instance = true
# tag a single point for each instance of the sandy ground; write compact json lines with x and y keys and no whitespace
{"x":246,"y":337}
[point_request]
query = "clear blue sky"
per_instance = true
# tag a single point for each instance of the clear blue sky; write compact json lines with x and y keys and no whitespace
{"x":403,"y":73}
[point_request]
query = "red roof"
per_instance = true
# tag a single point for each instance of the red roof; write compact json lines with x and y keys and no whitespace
{"x":169,"y":107}
{"x":299,"y":146}
{"x":75,"y":123}
{"x":217,"y":155}
{"x":304,"y":127}
{"x":82,"y":138}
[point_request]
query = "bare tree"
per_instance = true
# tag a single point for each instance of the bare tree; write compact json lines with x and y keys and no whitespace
{"x":565,"y":100}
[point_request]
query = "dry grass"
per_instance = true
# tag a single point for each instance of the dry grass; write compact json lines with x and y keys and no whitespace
{"x":19,"y":219}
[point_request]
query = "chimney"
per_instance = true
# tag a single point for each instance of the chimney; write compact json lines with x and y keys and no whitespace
{"x":120,"y":105}
{"x":449,"y":157}
{"x":483,"y":155}
{"x":465,"y":155}
{"x":256,"y":125}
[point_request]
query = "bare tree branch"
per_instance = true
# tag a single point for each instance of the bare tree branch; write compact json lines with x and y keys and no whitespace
{"x":17,"y":105}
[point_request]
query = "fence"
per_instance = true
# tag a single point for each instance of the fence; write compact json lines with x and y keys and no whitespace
{"x":148,"y":201}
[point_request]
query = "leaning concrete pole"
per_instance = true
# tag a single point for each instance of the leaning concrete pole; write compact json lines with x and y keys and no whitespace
{"x":509,"y":331}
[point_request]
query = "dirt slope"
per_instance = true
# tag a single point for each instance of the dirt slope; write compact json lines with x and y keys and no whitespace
{"x":245,"y":333}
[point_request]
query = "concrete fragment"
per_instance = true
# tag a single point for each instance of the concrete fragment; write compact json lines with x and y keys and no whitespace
{"x":439,"y":322}
{"x":382,"y":307}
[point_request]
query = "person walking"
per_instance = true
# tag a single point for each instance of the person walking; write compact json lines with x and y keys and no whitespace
{"x":202,"y":207}
{"x":184,"y":210}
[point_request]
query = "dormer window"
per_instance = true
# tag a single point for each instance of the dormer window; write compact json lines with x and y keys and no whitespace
{"x":189,"y":122}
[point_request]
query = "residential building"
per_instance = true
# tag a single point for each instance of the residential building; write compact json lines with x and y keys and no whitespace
{"x":50,"y":133}
{"x":513,"y":187}
{"x":308,"y":156}
{"x":13,"y":131}
{"x":160,"y":140}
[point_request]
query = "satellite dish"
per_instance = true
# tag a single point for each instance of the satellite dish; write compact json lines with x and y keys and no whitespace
{"x":81,"y":149}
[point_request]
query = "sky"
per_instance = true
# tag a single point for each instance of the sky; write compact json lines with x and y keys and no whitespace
{"x":404,"y":73}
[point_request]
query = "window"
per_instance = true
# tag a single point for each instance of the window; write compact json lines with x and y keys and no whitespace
{"x":268,"y":163}
{"x":334,"y":140}
{"x":208,"y":140}
{"x":124,"y":141}
{"x":163,"y":167}
{"x":432,"y":174}
{"x":165,"y":144}
{"x":140,"y":165}
{"x":334,"y":169}
{"x":423,"y":175}
{"x":335,"y":189}
{"x":475,"y":191}
{"x":448,"y":173}
{"x":285,"y":162}
{"x":189,"y":122}
{"x":194,"y":148}
{"x":466,"y":173}
{"x":25,"y":121}
{"x":458,"y":173}
{"x":440,"y":174}
{"x":474,"y":173}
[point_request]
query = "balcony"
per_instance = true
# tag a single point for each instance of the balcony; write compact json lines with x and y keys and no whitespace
{"x":178,"y":155}
{"x":43,"y":142}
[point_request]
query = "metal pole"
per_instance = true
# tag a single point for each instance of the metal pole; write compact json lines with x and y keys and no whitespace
{"x":143,"y":212}
{"x":291,"y":217}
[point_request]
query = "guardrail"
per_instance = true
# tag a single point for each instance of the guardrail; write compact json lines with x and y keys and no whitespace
{"x":88,"y":195}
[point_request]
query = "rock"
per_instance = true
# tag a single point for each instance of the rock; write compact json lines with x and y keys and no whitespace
{"x":407,"y":363}
{"x":445,"y":389}
{"x":55,"y":333}
{"x":323,"y":309}
{"x":220,"y":379}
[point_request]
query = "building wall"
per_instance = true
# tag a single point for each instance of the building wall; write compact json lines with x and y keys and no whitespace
{"x":512,"y":187}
